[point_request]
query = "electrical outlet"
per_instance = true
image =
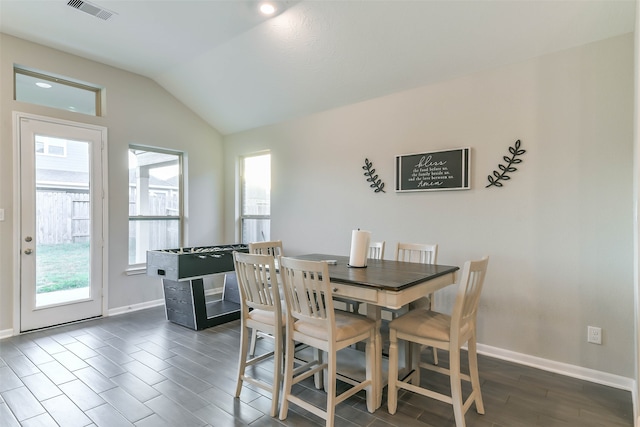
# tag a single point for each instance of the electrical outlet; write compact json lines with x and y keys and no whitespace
{"x":594,"y":335}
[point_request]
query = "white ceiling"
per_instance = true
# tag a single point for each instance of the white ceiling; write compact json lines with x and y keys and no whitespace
{"x":238,"y":70}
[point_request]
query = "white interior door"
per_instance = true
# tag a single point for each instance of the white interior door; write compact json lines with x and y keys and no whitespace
{"x":61,"y":221}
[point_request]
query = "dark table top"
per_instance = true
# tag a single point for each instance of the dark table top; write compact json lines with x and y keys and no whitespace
{"x":381,"y":274}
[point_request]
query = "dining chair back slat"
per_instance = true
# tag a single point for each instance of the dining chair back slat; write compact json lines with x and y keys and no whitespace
{"x":273,"y":248}
{"x":255,"y":281}
{"x":308,"y":290}
{"x":376,"y":250}
{"x":417,"y":252}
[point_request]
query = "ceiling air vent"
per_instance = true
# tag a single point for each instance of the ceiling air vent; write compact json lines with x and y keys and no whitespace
{"x":91,"y":9}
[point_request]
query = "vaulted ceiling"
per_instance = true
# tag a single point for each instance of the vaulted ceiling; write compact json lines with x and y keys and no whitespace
{"x":239,"y":70}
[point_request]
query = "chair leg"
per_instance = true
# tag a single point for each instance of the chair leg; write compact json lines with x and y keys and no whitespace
{"x":330,"y":386}
{"x":277,"y":374}
{"x":392,"y":388}
{"x":242,"y":360}
{"x":473,"y":373}
{"x":288,"y":377}
{"x":456,"y":386}
{"x":415,"y":351}
{"x":318,"y":377}
{"x":432,"y":305}
{"x":373,"y":389}
{"x":254,"y":338}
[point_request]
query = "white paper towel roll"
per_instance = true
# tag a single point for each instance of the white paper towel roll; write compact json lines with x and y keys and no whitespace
{"x":359,"y":248}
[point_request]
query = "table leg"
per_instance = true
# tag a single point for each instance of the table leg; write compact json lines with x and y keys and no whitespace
{"x":374,"y":312}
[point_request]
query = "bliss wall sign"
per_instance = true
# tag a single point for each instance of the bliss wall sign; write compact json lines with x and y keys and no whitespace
{"x":437,"y":170}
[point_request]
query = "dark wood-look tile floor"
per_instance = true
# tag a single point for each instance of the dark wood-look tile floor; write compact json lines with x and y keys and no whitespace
{"x":138,"y":369}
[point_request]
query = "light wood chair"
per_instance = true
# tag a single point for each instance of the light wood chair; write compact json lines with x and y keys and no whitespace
{"x":417,"y":252}
{"x":376,"y":250}
{"x":422,"y":253}
{"x":426,"y":327}
{"x":272,"y":248}
{"x":312,"y":320}
{"x":425,"y":254}
{"x":260,"y":311}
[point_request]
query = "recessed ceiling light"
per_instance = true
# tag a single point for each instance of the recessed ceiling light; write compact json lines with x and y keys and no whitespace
{"x":267,"y":8}
{"x":44,"y":85}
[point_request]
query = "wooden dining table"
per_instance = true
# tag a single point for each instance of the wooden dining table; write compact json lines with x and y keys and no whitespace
{"x":384,"y":283}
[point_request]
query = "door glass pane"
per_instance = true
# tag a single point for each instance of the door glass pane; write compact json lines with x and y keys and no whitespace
{"x":63,"y":219}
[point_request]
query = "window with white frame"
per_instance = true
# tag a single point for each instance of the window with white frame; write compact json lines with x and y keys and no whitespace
{"x":155,"y":201}
{"x":41,"y":88}
{"x":255,"y":210}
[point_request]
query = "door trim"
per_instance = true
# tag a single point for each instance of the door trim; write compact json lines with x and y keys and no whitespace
{"x":17,"y":184}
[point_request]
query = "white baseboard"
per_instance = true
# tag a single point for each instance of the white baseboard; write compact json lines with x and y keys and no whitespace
{"x":573,"y":371}
{"x":135,"y":307}
{"x":6,"y":333}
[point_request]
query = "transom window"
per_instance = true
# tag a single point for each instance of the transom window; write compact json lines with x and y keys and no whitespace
{"x":64,"y":93}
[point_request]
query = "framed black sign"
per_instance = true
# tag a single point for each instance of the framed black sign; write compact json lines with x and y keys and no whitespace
{"x":437,"y":170}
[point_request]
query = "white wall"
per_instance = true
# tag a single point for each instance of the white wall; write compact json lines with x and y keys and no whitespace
{"x":137,"y":111}
{"x":559,"y":233}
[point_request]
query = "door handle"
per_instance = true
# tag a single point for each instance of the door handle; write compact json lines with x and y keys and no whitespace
{"x":28,"y":239}
{"x":28,"y":251}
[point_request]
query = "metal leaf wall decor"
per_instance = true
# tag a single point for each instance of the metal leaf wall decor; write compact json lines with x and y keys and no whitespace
{"x":376,"y":183}
{"x":502,"y":176}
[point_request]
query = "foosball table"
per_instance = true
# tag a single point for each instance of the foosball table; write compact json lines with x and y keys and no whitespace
{"x":182,"y":271}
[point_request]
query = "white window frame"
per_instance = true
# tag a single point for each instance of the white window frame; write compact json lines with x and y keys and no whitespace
{"x":140,"y":267}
